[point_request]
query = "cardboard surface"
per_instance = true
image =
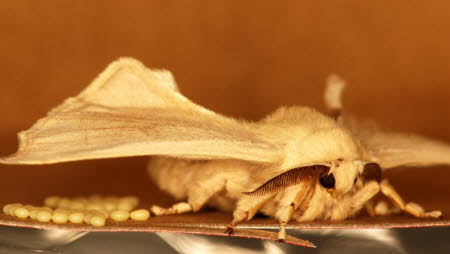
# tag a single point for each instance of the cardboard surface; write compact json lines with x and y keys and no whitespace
{"x":219,"y":221}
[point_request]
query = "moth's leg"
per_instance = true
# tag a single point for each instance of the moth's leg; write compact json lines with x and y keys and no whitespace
{"x":294,"y":197}
{"x":363,"y":196}
{"x":181,"y":207}
{"x":370,"y":208}
{"x":355,"y":203}
{"x":199,"y":193}
{"x":246,"y":208}
{"x":410,"y":208}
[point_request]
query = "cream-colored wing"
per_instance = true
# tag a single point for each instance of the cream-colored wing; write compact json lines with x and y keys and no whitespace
{"x":388,"y":149}
{"x":393,"y":149}
{"x":130,"y":110}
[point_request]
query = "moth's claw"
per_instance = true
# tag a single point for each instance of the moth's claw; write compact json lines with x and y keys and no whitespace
{"x":282,"y":233}
{"x":434,"y":214}
{"x":229,"y":230}
{"x":281,"y":240}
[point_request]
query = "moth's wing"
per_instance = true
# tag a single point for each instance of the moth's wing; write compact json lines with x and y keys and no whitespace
{"x":130,"y":110}
{"x":388,"y":149}
{"x":393,"y":149}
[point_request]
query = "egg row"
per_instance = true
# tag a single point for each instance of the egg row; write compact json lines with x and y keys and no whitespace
{"x":93,"y":217}
{"x":94,"y":202}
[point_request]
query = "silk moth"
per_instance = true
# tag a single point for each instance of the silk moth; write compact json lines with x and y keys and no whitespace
{"x":295,"y":164}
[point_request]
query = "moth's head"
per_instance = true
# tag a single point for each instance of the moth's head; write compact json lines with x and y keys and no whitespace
{"x":343,"y":172}
{"x":336,"y":178}
{"x":343,"y":176}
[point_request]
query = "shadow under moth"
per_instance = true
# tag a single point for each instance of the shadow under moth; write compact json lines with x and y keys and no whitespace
{"x":295,"y":164}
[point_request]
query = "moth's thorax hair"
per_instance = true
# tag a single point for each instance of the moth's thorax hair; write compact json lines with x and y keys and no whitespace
{"x":323,"y":146}
{"x":310,"y":137}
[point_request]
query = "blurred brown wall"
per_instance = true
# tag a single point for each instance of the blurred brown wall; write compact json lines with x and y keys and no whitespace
{"x":241,"y":58}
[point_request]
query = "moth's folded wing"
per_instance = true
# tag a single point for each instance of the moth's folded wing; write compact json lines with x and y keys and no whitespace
{"x":130,"y":110}
{"x":388,"y":149}
{"x":393,"y":149}
{"x":83,"y":135}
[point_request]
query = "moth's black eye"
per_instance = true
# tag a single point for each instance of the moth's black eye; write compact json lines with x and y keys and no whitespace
{"x":327,"y":181}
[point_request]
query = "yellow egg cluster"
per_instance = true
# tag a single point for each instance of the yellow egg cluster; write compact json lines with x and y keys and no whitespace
{"x":94,"y":210}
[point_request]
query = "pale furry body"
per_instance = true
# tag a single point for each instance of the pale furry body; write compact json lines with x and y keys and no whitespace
{"x":296,"y":163}
{"x":228,"y":179}
{"x":184,"y":179}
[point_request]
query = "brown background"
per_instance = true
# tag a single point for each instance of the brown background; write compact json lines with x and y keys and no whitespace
{"x":240,"y":58}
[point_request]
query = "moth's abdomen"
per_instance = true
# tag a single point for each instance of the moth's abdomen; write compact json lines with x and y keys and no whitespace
{"x":172,"y":175}
{"x":197,"y":179}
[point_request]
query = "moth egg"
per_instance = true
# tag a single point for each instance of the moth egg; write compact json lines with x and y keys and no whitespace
{"x":6,"y":208}
{"x":51,"y":201}
{"x":81,"y":200}
{"x":64,"y":203}
{"x":76,"y":217}
{"x":12,"y":208}
{"x":87,"y":218}
{"x":103,"y":213}
{"x":131,"y":199}
{"x":94,"y":206}
{"x":21,"y":212}
{"x":125,"y":205}
{"x":33,"y":213}
{"x":97,"y":221}
{"x":30,"y":208}
{"x":140,"y":215}
{"x":62,"y":210}
{"x":95,"y":198}
{"x":44,"y":216}
{"x":48,"y":209}
{"x":110,"y":199}
{"x":35,"y":210}
{"x":120,"y":215}
{"x":109,"y":206}
{"x":60,"y":217}
{"x":77,"y":205}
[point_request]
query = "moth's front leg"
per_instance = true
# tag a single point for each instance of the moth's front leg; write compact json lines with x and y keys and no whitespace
{"x":411,"y":208}
{"x":363,"y":197}
{"x":370,"y":208}
{"x":353,"y":204}
{"x":293,"y":198}
{"x":246,"y":208}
